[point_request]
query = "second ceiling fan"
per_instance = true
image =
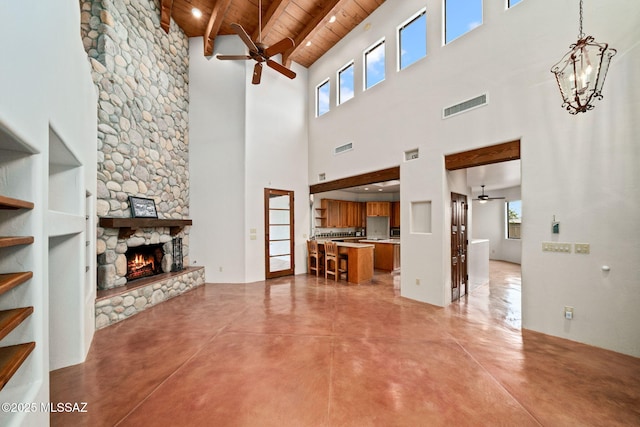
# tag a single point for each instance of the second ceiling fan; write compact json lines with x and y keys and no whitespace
{"x":260,"y":52}
{"x":483,"y":198}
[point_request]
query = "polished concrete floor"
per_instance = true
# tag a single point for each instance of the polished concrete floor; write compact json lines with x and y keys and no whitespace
{"x":302,"y":351}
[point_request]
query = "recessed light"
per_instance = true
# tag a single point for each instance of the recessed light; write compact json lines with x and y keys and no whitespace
{"x":308,"y":43}
{"x":366,"y":188}
{"x":196,"y":12}
{"x":332,"y":19}
{"x":379,"y":189}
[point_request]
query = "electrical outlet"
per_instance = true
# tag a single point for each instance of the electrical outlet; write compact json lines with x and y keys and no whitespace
{"x":568,"y":313}
{"x":582,"y":248}
{"x":220,"y":269}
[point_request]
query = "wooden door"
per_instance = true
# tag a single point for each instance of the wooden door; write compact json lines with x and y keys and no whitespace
{"x":459,"y":242}
{"x":279,"y":233}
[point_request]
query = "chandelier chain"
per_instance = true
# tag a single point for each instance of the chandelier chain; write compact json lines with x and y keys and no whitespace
{"x":580,"y":34}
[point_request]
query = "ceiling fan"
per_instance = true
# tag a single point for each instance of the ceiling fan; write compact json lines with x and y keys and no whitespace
{"x":484,"y":198}
{"x":260,"y":52}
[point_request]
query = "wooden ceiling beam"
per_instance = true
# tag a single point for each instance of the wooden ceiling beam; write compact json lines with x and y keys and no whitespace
{"x":273,"y":14}
{"x":483,"y":156}
{"x":215,"y":22}
{"x":389,"y":174}
{"x":312,"y":28}
{"x":165,"y":15}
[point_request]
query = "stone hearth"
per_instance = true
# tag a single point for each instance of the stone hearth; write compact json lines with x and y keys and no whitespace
{"x":118,"y":304}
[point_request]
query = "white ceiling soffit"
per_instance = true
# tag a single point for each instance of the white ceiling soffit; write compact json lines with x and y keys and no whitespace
{"x":495,"y":176}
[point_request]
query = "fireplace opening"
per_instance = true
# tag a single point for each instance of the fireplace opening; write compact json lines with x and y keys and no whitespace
{"x":143,"y":261}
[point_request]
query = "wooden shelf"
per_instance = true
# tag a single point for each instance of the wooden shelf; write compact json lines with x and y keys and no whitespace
{"x":10,"y":319}
{"x":128,"y":226}
{"x":5,"y":242}
{"x":9,"y":203}
{"x":11,"y":358}
{"x":11,"y":280}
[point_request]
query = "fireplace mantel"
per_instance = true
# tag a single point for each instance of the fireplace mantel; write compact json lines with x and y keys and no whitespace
{"x":128,"y":226}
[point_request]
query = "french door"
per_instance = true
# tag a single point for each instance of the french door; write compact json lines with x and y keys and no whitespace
{"x":459,"y":242}
{"x":279,"y":229}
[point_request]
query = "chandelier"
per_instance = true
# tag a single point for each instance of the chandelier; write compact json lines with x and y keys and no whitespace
{"x":581,"y":72}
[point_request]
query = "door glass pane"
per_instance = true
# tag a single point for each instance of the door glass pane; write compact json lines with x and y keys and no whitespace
{"x":279,"y":247}
{"x":279,"y":263}
{"x":279,"y":232}
{"x":278,"y":217}
{"x":279,"y":202}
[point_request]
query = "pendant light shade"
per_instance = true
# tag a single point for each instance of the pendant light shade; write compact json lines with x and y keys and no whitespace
{"x":582,"y":71}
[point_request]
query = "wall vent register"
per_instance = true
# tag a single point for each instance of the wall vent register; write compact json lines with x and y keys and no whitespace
{"x":469,"y":104}
{"x":343,"y":148}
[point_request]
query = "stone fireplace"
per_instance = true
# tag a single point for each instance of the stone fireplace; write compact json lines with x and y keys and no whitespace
{"x":141,"y":75}
{"x":144,"y":268}
{"x":140,"y":247}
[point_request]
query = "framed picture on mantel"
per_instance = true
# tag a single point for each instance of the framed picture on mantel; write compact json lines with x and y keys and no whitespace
{"x":142,"y":208}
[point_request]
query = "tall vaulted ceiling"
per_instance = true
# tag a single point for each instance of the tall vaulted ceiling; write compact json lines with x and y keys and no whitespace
{"x":307,"y":22}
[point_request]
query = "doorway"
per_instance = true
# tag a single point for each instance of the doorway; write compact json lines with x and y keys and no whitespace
{"x":459,"y":242}
{"x":498,"y":165}
{"x":279,"y":233}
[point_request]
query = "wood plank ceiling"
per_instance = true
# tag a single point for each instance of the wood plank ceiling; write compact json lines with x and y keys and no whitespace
{"x":307,"y":22}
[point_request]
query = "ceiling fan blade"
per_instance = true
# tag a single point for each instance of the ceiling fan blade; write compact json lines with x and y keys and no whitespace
{"x":245,"y":37}
{"x":281,"y":69}
{"x":282,"y":46}
{"x":233,"y":57}
{"x":257,"y":72}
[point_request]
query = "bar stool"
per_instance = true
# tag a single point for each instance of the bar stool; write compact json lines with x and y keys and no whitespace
{"x":333,"y":261}
{"x":313,"y":254}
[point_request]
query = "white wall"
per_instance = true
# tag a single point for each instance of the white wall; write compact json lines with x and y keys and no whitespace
{"x":46,"y":83}
{"x":488,"y":222}
{"x":579,"y":168}
{"x":216,"y":160}
{"x":243,"y":138}
{"x":276,"y":157}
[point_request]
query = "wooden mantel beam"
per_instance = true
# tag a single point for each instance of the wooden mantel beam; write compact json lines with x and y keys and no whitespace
{"x":312,"y":28}
{"x":273,"y":13}
{"x":165,"y":14}
{"x":215,"y":22}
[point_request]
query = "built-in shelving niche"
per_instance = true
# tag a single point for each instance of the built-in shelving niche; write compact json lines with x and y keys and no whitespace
{"x":21,"y":371}
{"x":66,"y":229}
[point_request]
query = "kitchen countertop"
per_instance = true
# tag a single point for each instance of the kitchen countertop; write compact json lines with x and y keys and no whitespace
{"x":391,"y":241}
{"x":348,"y":244}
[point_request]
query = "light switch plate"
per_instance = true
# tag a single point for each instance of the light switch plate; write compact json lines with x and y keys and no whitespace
{"x":556,"y":247}
{"x":582,"y":248}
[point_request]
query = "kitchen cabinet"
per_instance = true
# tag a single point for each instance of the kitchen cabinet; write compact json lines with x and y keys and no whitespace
{"x":340,"y":214}
{"x":386,"y":256}
{"x":333,"y":214}
{"x":378,"y":208}
{"x":394,"y":220}
{"x":362,"y":214}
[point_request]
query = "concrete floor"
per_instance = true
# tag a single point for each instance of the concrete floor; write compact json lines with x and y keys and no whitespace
{"x":302,"y":351}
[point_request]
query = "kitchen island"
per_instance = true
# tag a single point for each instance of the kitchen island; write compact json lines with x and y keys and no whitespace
{"x":387,"y":253}
{"x":359,"y":259}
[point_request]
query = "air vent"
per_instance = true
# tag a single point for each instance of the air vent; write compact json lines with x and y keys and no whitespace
{"x":467,"y":105}
{"x":343,"y":148}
